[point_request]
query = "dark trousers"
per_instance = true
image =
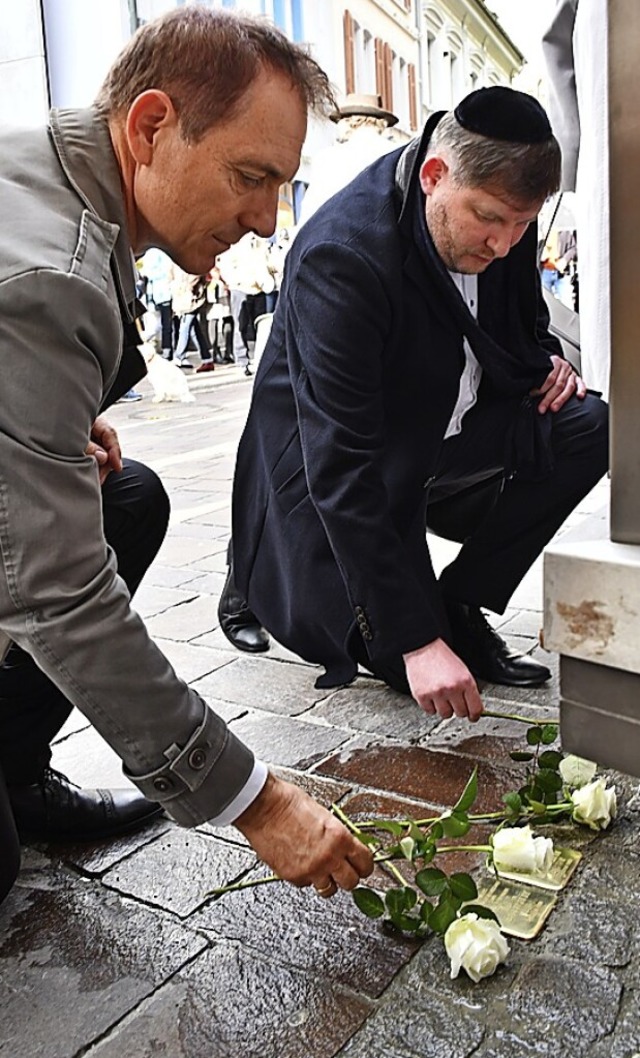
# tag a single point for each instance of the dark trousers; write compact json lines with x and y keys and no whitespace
{"x":32,"y":709}
{"x":522,"y":517}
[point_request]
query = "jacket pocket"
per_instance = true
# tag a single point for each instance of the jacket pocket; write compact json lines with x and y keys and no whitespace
{"x":288,"y":480}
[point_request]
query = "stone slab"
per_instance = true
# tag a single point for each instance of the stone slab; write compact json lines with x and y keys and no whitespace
{"x":371,"y":706}
{"x":74,"y":960}
{"x":285,"y":741}
{"x":231,"y":1003}
{"x":418,"y":773}
{"x":263,"y":683}
{"x":193,"y":617}
{"x":296,"y":927}
{"x":177,"y":870}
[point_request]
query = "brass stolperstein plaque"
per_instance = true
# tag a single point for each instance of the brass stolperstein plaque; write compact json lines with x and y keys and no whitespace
{"x":522,"y":910}
{"x":564,"y":864}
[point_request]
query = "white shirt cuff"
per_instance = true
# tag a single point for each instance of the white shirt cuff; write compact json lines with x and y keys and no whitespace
{"x":247,"y":795}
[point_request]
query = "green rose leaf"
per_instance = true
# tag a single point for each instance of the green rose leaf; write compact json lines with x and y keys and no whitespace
{"x":549,"y":734}
{"x":521,"y":755}
{"x":431,"y":881}
{"x":468,"y":795}
{"x":444,"y":913}
{"x":463,"y":886}
{"x":391,"y":828}
{"x":455,"y":825}
{"x":436,"y":831}
{"x":537,"y":807}
{"x":368,"y":901}
{"x":534,"y":736}
{"x":550,"y":759}
{"x":548,"y":781}
{"x":513,"y":801}
{"x":415,"y":832}
{"x":427,"y":853}
{"x":400,"y":900}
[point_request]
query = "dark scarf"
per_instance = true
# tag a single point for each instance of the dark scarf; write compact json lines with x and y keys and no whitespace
{"x":504,"y":337}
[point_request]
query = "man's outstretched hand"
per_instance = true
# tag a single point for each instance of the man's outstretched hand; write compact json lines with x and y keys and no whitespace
{"x":301,"y":841}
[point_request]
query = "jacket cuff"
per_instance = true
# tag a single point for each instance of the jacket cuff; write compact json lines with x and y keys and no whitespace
{"x":203,"y":778}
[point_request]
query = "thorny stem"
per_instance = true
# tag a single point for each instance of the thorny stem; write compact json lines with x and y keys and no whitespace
{"x":244,"y":885}
{"x":557,"y":809}
{"x":531,"y":721}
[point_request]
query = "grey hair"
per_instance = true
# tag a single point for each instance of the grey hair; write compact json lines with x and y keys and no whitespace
{"x":526,"y":172}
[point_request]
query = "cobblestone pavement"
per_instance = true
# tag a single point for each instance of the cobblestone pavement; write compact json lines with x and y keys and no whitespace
{"x":115,"y":950}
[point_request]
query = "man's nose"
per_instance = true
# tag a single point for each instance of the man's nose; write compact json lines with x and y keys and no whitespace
{"x":500,"y":242}
{"x":260,"y":215}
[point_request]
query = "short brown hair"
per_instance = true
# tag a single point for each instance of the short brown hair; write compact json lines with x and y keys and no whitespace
{"x":526,"y":172}
{"x":205,"y":61}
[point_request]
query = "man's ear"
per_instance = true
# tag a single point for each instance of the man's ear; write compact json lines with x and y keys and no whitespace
{"x":150,"y":113}
{"x":432,"y":171}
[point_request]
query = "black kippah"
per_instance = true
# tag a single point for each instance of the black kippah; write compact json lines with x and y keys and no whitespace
{"x":504,"y":114}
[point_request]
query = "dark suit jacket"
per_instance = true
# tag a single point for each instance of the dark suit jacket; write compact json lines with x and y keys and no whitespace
{"x":351,"y":402}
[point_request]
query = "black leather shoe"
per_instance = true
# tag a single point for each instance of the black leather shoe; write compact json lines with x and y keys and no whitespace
{"x":56,"y":808}
{"x":487,"y":655}
{"x":238,"y":622}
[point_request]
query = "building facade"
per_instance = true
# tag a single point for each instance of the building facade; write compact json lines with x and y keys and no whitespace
{"x":418,"y":55}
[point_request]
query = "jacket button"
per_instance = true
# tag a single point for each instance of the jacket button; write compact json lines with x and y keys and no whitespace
{"x":197,"y":759}
{"x":162,"y":785}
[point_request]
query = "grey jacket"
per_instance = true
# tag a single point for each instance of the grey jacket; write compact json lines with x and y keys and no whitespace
{"x":66,"y":286}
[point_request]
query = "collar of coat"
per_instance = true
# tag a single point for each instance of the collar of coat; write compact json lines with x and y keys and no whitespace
{"x":83,"y":145}
{"x":509,"y":337}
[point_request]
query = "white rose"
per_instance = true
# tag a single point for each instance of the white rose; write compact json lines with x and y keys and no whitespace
{"x":576,"y":771}
{"x":475,"y":945}
{"x":594,"y":805}
{"x":516,"y":849}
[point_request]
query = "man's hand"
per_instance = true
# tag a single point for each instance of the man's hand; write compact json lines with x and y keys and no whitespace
{"x":104,"y":446}
{"x":441,"y":683}
{"x":560,"y":384}
{"x":301,"y":841}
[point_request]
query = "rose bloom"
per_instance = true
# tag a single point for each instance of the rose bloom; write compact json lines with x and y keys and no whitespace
{"x":594,"y":805}
{"x":475,"y":945}
{"x":576,"y":771}
{"x":516,"y":849}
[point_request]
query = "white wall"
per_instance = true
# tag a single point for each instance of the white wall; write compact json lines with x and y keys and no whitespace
{"x":23,"y":81}
{"x":82,"y":39}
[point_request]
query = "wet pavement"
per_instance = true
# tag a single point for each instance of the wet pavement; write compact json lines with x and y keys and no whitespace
{"x":115,"y":949}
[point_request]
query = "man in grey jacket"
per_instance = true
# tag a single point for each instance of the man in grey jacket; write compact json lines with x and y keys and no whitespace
{"x":200,"y":120}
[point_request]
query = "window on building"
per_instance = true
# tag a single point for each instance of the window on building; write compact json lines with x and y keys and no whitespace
{"x":348,"y":28}
{"x":384,"y":72}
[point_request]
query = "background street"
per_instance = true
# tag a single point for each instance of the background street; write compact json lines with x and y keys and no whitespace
{"x":114,"y":949}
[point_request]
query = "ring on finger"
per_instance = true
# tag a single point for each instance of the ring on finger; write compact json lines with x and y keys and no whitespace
{"x":324,"y":890}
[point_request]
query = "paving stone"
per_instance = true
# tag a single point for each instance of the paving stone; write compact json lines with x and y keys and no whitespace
{"x":87,"y":760}
{"x":368,"y":705}
{"x":177,"y":870}
{"x":230,"y":1003}
{"x":94,"y":858}
{"x":545,"y":994}
{"x":191,"y":662}
{"x":625,"y":1042}
{"x":191,"y":618}
{"x":282,"y":740}
{"x":408,"y":1029}
{"x":330,"y":938}
{"x":209,"y":584}
{"x":74,"y":960}
{"x":151,"y":600}
{"x":167,"y":577}
{"x":265,"y":684}
{"x":522,"y":623}
{"x":180,"y":552}
{"x":488,"y":739}
{"x":575,"y":931}
{"x":412,"y":771}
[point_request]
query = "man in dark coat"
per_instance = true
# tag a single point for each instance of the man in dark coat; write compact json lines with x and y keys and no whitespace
{"x":410,"y":359}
